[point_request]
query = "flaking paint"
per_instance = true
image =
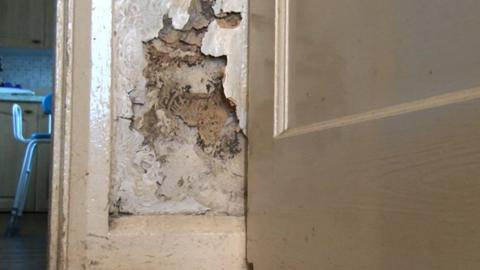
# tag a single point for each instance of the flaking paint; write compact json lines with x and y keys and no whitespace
{"x":175,"y":174}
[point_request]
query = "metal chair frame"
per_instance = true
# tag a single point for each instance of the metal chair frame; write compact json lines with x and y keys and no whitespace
{"x":24,"y":178}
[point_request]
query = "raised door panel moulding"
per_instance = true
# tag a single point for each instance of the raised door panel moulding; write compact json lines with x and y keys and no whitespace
{"x":403,"y":92}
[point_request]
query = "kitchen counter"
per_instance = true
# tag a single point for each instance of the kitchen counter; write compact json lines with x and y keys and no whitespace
{"x":20,"y":98}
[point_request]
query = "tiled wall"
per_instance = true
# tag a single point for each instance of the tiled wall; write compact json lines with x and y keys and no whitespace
{"x":32,"y":69}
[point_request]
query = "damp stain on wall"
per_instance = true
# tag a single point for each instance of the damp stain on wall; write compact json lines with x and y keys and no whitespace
{"x":179,"y":136}
{"x":184,"y":83}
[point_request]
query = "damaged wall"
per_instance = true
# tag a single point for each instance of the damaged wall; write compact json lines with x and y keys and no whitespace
{"x":180,"y":106}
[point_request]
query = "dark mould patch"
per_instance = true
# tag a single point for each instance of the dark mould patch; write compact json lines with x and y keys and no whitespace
{"x":180,"y":182}
{"x":185,"y":84}
{"x":115,"y":207}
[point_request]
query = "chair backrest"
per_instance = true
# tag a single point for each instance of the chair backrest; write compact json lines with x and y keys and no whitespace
{"x":17,"y":118}
{"x":47,"y":104}
{"x":17,"y":122}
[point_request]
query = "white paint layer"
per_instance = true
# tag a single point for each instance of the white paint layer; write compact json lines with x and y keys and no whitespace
{"x":171,"y":243}
{"x":100,"y":114}
{"x":231,"y":42}
{"x":178,"y":11}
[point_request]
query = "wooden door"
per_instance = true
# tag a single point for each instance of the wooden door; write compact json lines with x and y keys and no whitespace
{"x":364,"y":135}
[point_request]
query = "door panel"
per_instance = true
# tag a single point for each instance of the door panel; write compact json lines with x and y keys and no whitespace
{"x":346,"y":57}
{"x":364,"y":139}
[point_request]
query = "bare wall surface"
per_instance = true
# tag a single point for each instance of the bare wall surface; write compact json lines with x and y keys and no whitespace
{"x":179,"y":93}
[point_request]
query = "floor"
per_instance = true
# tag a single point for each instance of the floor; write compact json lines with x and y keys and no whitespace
{"x":27,"y":251}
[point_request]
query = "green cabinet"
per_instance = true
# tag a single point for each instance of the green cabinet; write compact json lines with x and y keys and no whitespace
{"x":27,"y":23}
{"x":11,"y":157}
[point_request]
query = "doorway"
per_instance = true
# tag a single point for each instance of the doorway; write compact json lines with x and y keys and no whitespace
{"x":27,"y":42}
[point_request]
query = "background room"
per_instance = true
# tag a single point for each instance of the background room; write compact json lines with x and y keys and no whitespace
{"x":26,"y":79}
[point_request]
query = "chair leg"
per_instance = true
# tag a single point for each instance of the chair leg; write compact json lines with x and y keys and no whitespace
{"x":22,"y":190}
{"x":12,"y":226}
{"x":30,"y":154}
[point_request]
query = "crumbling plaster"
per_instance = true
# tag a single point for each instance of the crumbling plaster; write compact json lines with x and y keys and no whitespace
{"x":161,"y":162}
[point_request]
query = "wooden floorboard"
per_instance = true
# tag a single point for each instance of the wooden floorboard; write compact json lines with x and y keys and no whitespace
{"x":28,"y":250}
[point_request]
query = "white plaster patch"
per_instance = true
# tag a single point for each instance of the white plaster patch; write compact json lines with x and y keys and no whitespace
{"x":230,"y":6}
{"x":178,"y":11}
{"x":231,"y":42}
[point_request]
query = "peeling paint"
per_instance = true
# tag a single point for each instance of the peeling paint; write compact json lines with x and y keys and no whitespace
{"x":232,"y":42}
{"x":180,"y":103}
{"x":184,"y":83}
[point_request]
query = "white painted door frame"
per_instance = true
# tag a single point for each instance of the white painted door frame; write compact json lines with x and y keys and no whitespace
{"x":81,"y":234}
{"x":82,"y":129}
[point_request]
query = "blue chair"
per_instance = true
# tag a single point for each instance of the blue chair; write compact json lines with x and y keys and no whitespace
{"x":24,"y":177}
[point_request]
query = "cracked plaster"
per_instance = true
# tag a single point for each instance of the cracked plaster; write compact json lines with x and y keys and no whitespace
{"x":191,"y":181}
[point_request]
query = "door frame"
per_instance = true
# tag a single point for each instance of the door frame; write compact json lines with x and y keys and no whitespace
{"x":58,"y":236}
{"x":81,"y":232}
{"x":82,"y":129}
